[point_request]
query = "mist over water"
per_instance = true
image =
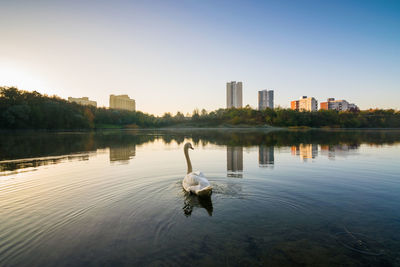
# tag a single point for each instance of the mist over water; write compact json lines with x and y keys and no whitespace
{"x":284,"y":198}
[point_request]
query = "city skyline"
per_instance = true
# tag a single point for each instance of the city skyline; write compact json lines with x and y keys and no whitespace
{"x":161,"y":48}
{"x":234,"y":92}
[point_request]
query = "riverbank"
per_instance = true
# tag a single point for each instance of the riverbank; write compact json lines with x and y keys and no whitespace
{"x":31,"y":110}
{"x":197,"y":129}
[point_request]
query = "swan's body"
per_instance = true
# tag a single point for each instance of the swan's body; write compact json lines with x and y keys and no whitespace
{"x":195,"y":182}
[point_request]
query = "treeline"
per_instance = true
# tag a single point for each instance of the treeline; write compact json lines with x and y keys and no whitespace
{"x":31,"y":110}
{"x":291,"y":118}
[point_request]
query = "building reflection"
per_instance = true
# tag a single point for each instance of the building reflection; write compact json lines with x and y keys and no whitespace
{"x":305,"y":151}
{"x":266,"y":156}
{"x":234,"y":161}
{"x":337,"y":150}
{"x":122,"y":154}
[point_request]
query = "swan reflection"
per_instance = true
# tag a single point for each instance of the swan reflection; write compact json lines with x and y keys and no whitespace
{"x":192,"y":201}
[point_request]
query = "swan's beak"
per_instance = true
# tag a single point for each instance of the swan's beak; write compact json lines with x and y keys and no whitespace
{"x":191,"y":148}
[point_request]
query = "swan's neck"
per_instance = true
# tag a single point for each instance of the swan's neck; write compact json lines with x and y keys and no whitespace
{"x":189,"y":164}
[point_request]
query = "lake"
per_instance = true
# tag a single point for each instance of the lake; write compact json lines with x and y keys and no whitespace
{"x":280,"y":198}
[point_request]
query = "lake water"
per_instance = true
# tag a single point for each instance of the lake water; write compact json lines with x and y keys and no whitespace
{"x":280,"y":198}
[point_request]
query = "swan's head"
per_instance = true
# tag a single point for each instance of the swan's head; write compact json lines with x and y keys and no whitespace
{"x":188,"y":145}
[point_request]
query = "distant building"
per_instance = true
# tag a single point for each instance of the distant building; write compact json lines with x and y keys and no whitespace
{"x":339,"y":105}
{"x":82,"y":101}
{"x":122,"y":102}
{"x":265,"y":99}
{"x":294,"y":105}
{"x":305,"y":104}
{"x":234,"y":98}
{"x":234,"y":161}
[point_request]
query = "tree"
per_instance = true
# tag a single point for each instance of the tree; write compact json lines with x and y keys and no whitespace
{"x":195,"y":115}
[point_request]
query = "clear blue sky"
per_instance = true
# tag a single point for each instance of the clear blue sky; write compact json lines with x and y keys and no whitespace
{"x":178,"y":55}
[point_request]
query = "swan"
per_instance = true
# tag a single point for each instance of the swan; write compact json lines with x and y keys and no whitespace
{"x":195,"y":182}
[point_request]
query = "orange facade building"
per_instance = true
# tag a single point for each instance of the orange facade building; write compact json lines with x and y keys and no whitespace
{"x":294,"y":105}
{"x":324,"y":105}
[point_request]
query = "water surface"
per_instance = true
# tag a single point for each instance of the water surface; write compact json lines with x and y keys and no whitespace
{"x":287,"y":198}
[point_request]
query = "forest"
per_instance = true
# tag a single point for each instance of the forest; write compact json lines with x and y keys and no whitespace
{"x":31,"y":110}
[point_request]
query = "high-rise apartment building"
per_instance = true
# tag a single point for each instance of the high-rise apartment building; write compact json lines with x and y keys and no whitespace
{"x":122,"y":102}
{"x":234,"y":98}
{"x":305,"y":104}
{"x":265,"y":99}
{"x":82,"y":101}
{"x":339,"y":105}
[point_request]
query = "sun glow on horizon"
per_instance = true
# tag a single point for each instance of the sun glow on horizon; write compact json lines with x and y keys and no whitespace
{"x":17,"y":76}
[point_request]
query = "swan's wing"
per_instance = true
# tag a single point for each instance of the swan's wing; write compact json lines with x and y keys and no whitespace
{"x":190,"y":181}
{"x":197,"y":183}
{"x":198,"y":173}
{"x":196,"y":178}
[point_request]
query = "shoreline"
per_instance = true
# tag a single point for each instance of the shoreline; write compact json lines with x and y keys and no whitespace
{"x":196,"y":128}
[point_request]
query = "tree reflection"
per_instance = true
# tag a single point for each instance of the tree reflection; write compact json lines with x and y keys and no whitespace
{"x":11,"y":165}
{"x":122,"y":144}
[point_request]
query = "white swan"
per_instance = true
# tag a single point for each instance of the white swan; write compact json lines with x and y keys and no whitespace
{"x":195,"y":182}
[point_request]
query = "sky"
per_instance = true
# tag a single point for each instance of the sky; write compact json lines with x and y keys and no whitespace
{"x":177,"y":55}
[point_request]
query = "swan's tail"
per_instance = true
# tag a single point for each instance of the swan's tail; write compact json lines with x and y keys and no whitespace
{"x":206,"y":191}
